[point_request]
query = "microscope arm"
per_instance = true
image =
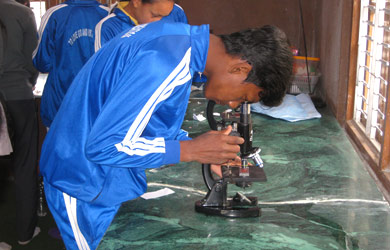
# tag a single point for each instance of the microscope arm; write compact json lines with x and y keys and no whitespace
{"x":208,"y":176}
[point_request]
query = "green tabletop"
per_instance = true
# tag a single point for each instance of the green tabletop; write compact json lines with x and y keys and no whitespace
{"x":318,"y":195}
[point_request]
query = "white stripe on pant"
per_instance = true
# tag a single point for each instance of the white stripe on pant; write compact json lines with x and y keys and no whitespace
{"x":71,"y":209}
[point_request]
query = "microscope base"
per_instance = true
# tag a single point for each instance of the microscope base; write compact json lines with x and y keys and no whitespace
{"x":233,"y":209}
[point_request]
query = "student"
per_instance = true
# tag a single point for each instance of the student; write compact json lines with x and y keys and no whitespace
{"x":24,"y":2}
{"x":127,"y":14}
{"x":19,"y":39}
{"x":124,"y":110}
{"x":66,"y":42}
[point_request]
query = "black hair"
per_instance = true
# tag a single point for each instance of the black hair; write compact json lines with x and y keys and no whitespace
{"x":24,"y":2}
{"x":267,"y":50}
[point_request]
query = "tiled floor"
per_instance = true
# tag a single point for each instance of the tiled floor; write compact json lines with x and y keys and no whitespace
{"x":318,"y":196}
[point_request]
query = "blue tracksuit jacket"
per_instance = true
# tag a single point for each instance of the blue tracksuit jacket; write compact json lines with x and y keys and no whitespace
{"x":123,"y":113}
{"x":66,"y":42}
{"x":118,"y":21}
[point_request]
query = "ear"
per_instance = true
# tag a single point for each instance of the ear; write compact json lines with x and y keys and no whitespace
{"x":261,"y":93}
{"x":241,"y":67}
{"x":136,"y":3}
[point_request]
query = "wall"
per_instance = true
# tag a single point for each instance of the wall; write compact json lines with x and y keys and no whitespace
{"x":327,"y":25}
{"x":335,"y":35}
{"x":330,"y":49}
{"x":226,"y":16}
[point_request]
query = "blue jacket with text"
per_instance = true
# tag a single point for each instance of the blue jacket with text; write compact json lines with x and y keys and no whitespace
{"x":123,"y":113}
{"x":66,"y":42}
{"x":118,"y":21}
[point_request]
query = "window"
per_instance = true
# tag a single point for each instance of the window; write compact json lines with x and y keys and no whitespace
{"x":368,"y":105}
{"x":39,"y":9}
{"x":373,"y":69}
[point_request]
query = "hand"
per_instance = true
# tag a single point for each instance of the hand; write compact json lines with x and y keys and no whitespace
{"x":213,"y":147}
{"x":216,"y":168}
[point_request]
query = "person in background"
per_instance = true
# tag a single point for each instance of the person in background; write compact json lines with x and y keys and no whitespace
{"x":3,"y":36}
{"x":24,"y":2}
{"x":16,"y":81}
{"x":124,"y":111}
{"x":66,"y":42}
{"x":127,"y":14}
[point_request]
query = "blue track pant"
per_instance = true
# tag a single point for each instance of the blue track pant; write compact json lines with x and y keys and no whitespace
{"x":82,"y":224}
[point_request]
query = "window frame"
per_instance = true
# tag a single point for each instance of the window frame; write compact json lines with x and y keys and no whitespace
{"x":378,"y":160}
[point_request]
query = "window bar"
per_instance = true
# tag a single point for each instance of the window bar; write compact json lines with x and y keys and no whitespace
{"x":363,"y":97}
{"x":371,"y":7}
{"x":363,"y":45}
{"x":365,"y":83}
{"x":365,"y":68}
{"x":381,"y":113}
{"x":368,"y":38}
{"x":360,"y":100}
{"x":373,"y":104}
{"x":386,"y":11}
{"x":368,"y":53}
{"x":386,"y":63}
{"x":381,"y":96}
{"x":369,"y":23}
{"x":385,"y":28}
{"x":386,"y":45}
{"x":382,"y":80}
{"x":361,"y":111}
{"x":376,"y":127}
{"x":362,"y":76}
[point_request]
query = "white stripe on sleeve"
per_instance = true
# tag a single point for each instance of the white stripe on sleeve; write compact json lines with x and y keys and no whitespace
{"x":132,"y":144}
{"x":44,"y":21}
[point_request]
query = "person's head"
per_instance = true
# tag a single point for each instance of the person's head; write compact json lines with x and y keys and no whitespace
{"x":146,"y":11}
{"x":24,"y":2}
{"x":259,"y":68}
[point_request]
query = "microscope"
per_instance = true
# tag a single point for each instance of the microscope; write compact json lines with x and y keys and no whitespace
{"x":217,"y":202}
